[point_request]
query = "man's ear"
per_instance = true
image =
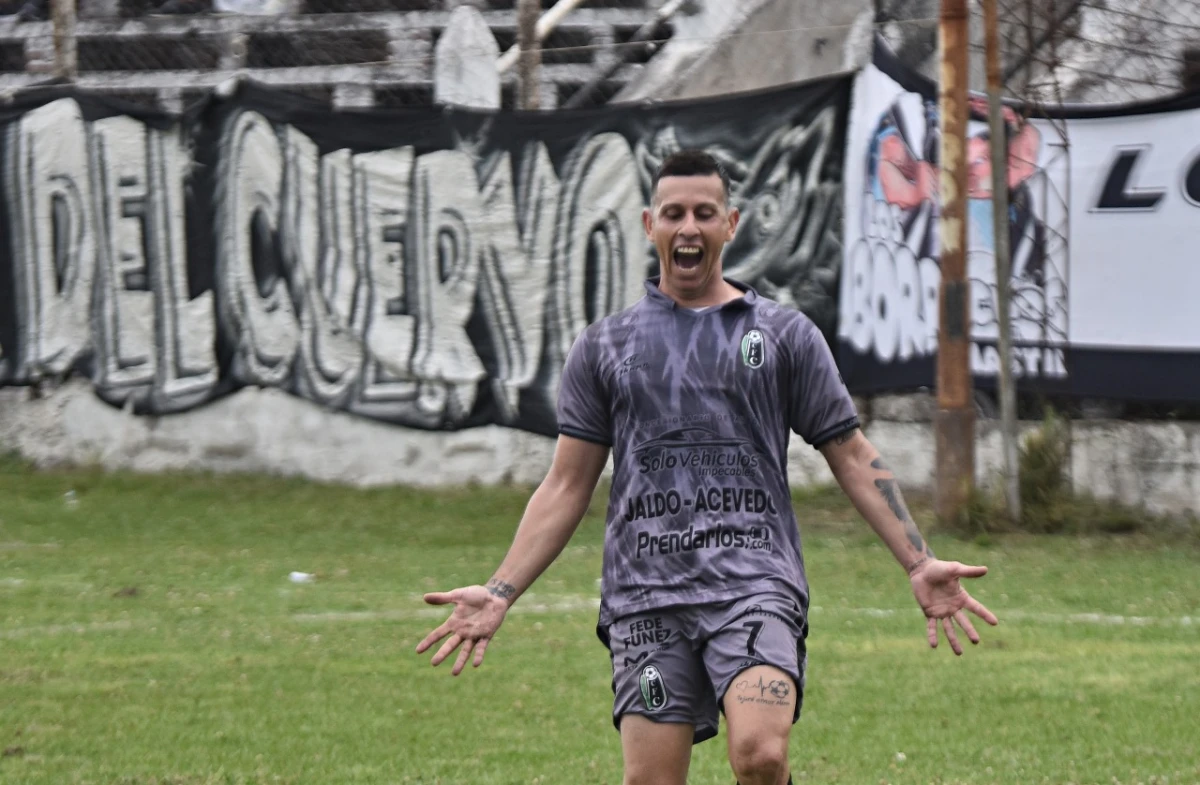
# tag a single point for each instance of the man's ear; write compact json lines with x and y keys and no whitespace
{"x":648,"y":223}
{"x":735,"y":216}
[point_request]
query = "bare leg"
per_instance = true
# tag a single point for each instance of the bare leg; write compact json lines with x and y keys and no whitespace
{"x":759,"y":706}
{"x":656,"y":753}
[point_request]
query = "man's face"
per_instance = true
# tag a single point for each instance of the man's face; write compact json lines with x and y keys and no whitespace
{"x":689,"y":223}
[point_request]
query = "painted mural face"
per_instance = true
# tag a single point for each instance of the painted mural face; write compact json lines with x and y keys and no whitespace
{"x":689,"y":223}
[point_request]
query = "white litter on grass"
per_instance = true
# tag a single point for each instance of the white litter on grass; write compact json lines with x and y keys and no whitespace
{"x":301,"y":577}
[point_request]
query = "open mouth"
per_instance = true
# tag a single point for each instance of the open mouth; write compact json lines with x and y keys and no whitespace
{"x":688,"y":257}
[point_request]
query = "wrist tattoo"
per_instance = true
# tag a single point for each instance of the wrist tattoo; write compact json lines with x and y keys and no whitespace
{"x":501,"y":589}
{"x":917,"y":564}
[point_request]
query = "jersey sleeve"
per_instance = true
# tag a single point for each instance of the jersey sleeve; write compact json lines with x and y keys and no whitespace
{"x":583,"y":407}
{"x":820,"y":407}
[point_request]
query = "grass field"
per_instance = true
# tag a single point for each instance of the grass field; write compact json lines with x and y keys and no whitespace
{"x":149,"y":633}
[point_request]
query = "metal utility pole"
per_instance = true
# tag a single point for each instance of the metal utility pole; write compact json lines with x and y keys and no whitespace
{"x":529,"y":46}
{"x":1000,"y":226}
{"x":954,"y":423}
{"x":62,"y":15}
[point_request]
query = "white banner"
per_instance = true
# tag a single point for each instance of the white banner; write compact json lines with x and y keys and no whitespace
{"x":1135,"y":231}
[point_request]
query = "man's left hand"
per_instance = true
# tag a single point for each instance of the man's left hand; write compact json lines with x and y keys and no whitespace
{"x":936,"y":587}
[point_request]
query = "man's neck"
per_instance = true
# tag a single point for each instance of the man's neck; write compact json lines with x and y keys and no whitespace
{"x":717,"y":293}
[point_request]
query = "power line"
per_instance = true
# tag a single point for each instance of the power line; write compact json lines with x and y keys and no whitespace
{"x":1142,"y":17}
{"x":1068,"y":37}
{"x":1129,"y":49}
{"x":1108,"y":75}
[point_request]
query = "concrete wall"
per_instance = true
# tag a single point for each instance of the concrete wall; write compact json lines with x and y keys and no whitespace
{"x":1151,"y":465}
{"x":1147,"y":464}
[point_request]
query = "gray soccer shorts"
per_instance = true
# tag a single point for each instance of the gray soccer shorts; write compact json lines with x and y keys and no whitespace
{"x":675,"y":665}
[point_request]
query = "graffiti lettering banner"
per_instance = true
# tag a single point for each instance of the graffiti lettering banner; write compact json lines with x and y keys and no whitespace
{"x":427,"y":267}
{"x":1103,"y":216}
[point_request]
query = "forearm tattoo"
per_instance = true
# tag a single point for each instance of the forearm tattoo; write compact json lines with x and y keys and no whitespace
{"x":890,"y":490}
{"x":501,"y":589}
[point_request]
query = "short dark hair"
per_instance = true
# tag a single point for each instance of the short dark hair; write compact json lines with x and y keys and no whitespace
{"x":686,"y":163}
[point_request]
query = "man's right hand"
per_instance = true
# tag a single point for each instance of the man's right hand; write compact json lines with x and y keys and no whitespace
{"x":477,"y":616}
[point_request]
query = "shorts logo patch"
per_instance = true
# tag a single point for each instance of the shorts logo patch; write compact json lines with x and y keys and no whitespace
{"x":754,"y":349}
{"x":654,"y":689}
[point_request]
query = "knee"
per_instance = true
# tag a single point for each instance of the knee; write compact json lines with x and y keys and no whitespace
{"x":760,"y":761}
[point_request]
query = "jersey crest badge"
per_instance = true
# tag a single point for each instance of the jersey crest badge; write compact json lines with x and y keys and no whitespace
{"x":654,"y":690}
{"x":754,"y":349}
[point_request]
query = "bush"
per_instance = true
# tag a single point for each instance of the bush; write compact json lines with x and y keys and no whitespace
{"x":1048,"y":503}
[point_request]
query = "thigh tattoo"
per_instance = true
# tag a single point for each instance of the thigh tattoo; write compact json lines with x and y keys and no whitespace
{"x":763,"y":691}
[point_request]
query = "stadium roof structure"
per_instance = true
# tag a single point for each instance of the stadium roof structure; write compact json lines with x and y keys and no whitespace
{"x":362,"y":55}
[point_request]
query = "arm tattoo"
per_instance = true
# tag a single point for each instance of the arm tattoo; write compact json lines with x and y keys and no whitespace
{"x":890,"y":490}
{"x":501,"y":589}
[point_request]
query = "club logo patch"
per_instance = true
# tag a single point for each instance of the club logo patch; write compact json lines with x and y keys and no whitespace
{"x":754,"y":349}
{"x":654,"y":689}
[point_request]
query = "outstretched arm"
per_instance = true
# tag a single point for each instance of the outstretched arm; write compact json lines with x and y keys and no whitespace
{"x":551,"y":518}
{"x":875,"y":493}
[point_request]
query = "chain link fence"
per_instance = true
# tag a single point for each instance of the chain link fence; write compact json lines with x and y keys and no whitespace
{"x":1066,"y":51}
{"x":344,"y":52}
{"x":1100,"y":51}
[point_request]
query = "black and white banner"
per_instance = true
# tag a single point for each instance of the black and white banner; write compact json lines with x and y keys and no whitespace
{"x":1104,"y":223}
{"x":428,"y":268}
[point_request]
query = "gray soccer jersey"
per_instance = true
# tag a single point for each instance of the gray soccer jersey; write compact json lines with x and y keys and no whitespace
{"x":698,"y":408}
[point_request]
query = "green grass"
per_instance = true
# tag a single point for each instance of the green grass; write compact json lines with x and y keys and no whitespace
{"x":150,"y":634}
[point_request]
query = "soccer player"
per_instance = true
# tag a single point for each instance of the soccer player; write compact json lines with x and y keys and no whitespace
{"x":695,"y":390}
